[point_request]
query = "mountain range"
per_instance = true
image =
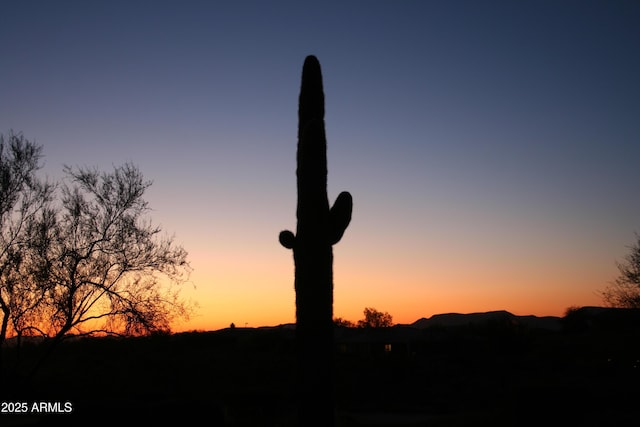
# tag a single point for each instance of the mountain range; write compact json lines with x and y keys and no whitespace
{"x":456,"y":319}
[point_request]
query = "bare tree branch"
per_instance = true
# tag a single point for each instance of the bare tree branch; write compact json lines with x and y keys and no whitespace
{"x":624,"y":291}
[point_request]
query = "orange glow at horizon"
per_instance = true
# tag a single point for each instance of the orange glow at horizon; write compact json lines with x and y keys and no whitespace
{"x":263,"y":294}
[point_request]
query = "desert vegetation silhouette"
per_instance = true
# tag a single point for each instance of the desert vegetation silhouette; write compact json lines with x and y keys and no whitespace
{"x":373,"y":318}
{"x":318,"y":229}
{"x":81,"y":257}
{"x":624,"y":290}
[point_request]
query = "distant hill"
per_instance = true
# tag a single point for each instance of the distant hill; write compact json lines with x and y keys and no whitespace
{"x":590,"y":315}
{"x":456,"y":319}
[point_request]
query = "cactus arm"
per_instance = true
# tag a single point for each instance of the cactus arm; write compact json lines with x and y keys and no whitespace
{"x":287,"y":239}
{"x":340,"y":217}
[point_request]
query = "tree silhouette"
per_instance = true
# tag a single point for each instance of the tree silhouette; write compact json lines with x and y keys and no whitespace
{"x":343,"y":323}
{"x":375,"y":319}
{"x":93,"y":264}
{"x":25,"y":217}
{"x":318,"y":228}
{"x":624,"y":291}
{"x":107,"y":258}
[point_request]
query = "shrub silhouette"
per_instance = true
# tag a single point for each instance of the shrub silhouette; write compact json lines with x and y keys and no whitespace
{"x":318,"y":228}
{"x":375,"y":319}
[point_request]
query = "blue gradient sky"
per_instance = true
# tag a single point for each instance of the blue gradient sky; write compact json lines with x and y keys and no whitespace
{"x":491,"y":147}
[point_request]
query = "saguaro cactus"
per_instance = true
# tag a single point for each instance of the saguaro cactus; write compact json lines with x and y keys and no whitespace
{"x":318,"y":229}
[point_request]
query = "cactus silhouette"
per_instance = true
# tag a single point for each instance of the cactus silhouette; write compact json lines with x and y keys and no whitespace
{"x":318,"y":229}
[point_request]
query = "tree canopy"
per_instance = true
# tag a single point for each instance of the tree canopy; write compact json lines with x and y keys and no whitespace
{"x":375,"y":319}
{"x":82,"y":256}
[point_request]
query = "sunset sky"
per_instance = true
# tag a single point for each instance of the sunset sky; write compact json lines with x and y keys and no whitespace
{"x":491,"y":147}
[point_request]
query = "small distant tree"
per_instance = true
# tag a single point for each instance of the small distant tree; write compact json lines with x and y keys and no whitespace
{"x":624,"y":291}
{"x":344,"y":323}
{"x":375,"y":319}
{"x":571,"y":310}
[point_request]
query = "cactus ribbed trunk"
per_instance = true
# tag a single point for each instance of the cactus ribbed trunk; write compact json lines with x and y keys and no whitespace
{"x":318,"y":229}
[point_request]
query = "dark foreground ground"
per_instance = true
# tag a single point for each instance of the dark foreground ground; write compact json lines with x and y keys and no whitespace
{"x":497,"y":374}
